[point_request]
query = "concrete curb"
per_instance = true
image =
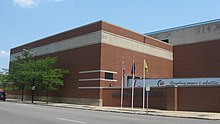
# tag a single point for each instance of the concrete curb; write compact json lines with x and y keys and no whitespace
{"x":110,"y":109}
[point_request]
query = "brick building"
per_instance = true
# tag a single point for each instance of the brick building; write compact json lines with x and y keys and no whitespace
{"x":195,"y":55}
{"x":93,"y":54}
{"x":195,"y":48}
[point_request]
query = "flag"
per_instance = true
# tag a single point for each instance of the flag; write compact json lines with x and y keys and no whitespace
{"x":145,"y":73}
{"x":135,"y":81}
{"x":133,"y":68}
{"x":146,"y":68}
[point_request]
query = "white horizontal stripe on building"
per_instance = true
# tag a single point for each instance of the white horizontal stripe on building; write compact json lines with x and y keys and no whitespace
{"x":130,"y":44}
{"x":94,"y":71}
{"x":99,"y":37}
{"x":104,"y":87}
{"x":97,"y":79}
{"x":75,"y":42}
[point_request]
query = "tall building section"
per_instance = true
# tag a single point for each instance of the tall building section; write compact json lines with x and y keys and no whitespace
{"x":195,"y":48}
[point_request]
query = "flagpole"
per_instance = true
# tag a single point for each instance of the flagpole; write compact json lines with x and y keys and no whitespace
{"x":122,"y":83}
{"x":147,"y":101}
{"x":132,"y":93}
{"x":144,"y":73}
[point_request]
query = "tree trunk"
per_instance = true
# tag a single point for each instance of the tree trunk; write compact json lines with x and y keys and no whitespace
{"x":22,"y":95}
{"x":47,"y":96}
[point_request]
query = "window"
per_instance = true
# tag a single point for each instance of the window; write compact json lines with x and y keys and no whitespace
{"x":166,"y":40}
{"x":108,"y":75}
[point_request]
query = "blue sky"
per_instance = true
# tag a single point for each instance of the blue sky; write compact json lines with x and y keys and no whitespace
{"x":23,"y":21}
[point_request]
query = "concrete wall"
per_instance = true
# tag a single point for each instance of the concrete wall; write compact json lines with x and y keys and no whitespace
{"x":190,"y":34}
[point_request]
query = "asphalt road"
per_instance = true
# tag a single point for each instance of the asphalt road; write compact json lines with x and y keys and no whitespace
{"x":16,"y":113}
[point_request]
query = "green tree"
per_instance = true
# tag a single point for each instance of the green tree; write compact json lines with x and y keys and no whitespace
{"x":21,"y":72}
{"x":26,"y":68}
{"x":3,"y":79}
{"x":49,"y":78}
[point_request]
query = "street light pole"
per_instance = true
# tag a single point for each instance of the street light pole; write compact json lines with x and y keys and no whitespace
{"x":33,"y":82}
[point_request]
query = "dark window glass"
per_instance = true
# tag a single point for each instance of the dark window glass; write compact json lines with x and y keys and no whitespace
{"x":109,"y":76}
{"x":166,"y":40}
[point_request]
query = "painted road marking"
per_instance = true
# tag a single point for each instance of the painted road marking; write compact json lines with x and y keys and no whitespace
{"x":21,"y":104}
{"x":63,"y":119}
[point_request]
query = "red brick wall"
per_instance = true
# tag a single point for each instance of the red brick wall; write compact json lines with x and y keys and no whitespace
{"x":76,"y":60}
{"x":199,"y":98}
{"x":171,"y":97}
{"x":206,"y":98}
{"x":112,"y":58}
{"x":133,"y":35}
{"x":197,"y":60}
{"x":157,"y":97}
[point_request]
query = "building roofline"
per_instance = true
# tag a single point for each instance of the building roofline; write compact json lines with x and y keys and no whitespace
{"x":183,"y":27}
{"x":88,"y":28}
{"x":58,"y":34}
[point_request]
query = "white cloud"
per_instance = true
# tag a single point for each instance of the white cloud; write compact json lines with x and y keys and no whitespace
{"x":4,"y":53}
{"x":26,"y":3}
{"x":31,"y":3}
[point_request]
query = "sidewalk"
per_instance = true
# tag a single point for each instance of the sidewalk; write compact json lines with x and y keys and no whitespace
{"x":153,"y":112}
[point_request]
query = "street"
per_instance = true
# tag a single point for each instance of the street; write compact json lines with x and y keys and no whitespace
{"x":16,"y":113}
